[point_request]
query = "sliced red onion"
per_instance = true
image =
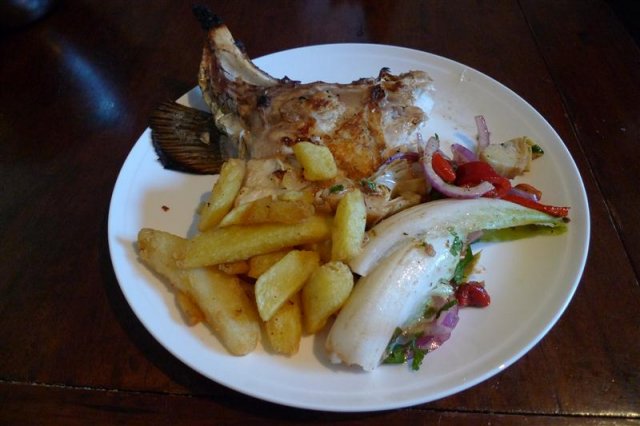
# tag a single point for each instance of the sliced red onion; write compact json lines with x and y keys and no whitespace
{"x":432,"y":146}
{"x":437,"y":332}
{"x":409,"y":156}
{"x":462,"y":154}
{"x":449,"y":190}
{"x":483,"y":133}
{"x":523,"y":194}
{"x":474,"y":236}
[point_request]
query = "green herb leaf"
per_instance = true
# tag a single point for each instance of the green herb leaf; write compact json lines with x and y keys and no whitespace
{"x":537,"y":149}
{"x":461,"y":267}
{"x":367,"y":184}
{"x":336,"y":188}
{"x":456,"y":245}
{"x":398,"y":355}
{"x":418,"y":356}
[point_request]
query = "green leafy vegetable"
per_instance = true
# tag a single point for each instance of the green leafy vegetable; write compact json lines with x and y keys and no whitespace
{"x":462,"y":267}
{"x":519,"y":232}
{"x":418,"y":356}
{"x":397,"y":355}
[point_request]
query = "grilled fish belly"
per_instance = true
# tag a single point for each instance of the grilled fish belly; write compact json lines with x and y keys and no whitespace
{"x":362,"y":123}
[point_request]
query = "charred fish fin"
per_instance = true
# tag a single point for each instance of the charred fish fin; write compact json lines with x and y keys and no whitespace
{"x":207,"y":19}
{"x":186,"y":139}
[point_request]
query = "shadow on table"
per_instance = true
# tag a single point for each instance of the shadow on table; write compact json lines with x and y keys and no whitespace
{"x":628,"y":11}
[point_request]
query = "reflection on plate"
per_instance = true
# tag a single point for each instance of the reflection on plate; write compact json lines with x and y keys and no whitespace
{"x":531,"y":281}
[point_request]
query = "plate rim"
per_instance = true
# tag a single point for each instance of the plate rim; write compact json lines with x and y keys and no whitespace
{"x":138,"y":149}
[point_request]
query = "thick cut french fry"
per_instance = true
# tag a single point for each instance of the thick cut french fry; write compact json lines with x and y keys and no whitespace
{"x":223,"y":194}
{"x":349,"y":226}
{"x":237,"y":242}
{"x":283,"y":280}
{"x":269,"y":210}
{"x":324,"y":294}
{"x":306,"y":195}
{"x":323,"y":248}
{"x":160,"y":249}
{"x":191,"y":312}
{"x":236,"y":215}
{"x":317,"y":161}
{"x":221,"y":298}
{"x":260,"y":263}
{"x":234,"y":268}
{"x":284,"y":329}
{"x":227,"y":308}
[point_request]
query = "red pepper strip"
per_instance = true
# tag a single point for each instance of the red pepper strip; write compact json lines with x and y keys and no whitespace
{"x":443,"y":167}
{"x":530,"y":189}
{"x":474,"y":172}
{"x":551,"y":210}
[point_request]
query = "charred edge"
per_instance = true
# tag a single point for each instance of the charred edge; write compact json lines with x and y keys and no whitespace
{"x":207,"y":19}
{"x":263,"y":101}
{"x":377,"y":93}
{"x":240,"y":45}
{"x":384,"y":72}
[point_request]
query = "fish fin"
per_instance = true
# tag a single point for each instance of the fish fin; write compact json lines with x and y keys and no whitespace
{"x":186,"y":139}
{"x":206,"y":17}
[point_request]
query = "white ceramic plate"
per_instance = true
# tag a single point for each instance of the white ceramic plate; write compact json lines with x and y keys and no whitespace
{"x":531,"y":281}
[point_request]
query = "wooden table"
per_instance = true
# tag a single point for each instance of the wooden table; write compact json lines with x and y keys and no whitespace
{"x":76,"y":91}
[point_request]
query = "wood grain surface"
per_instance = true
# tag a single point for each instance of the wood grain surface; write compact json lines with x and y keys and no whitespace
{"x":76,"y":90}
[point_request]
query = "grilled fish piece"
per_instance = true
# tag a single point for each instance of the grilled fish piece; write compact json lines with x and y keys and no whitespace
{"x":256,"y":116}
{"x":362,"y":122}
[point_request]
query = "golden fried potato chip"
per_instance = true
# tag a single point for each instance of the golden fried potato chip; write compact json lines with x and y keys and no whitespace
{"x":325,"y":292}
{"x":227,"y":308}
{"x":284,"y":279}
{"x":235,"y":268}
{"x":349,"y":226}
{"x":190,"y":310}
{"x":238,"y":242}
{"x":223,"y":194}
{"x":284,"y":329}
{"x":317,"y":161}
{"x":220,"y":298}
{"x":260,"y":263}
{"x":269,"y":210}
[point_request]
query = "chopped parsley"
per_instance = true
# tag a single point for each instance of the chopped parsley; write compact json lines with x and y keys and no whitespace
{"x":336,"y":188}
{"x":369,"y":185}
{"x":403,"y":346}
{"x":537,"y":149}
{"x":456,"y":245}
{"x":398,"y":355}
{"x":402,"y":352}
